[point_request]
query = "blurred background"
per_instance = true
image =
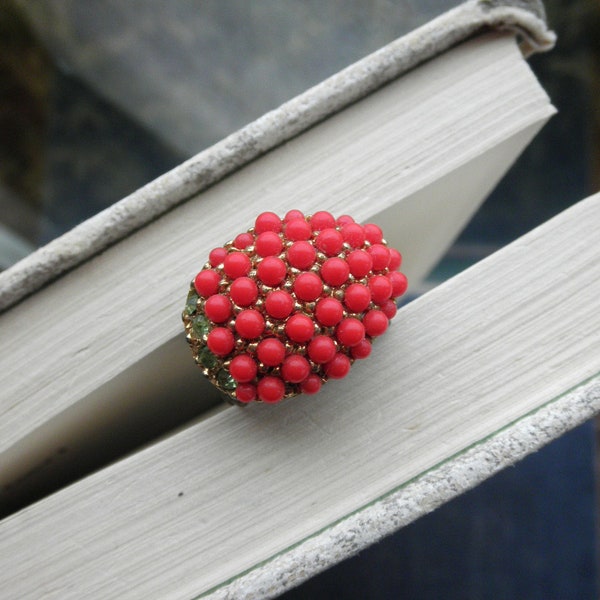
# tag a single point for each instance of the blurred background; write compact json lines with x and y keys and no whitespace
{"x":98,"y":97}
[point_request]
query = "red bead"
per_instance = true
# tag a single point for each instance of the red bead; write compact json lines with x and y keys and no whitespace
{"x":330,"y":242}
{"x":245,"y":392}
{"x":381,"y":288}
{"x":389,"y":309}
{"x":375,"y":323}
{"x":354,"y":234}
{"x":338,"y":367}
{"x":344,"y":220}
{"x":236,"y":264}
{"x":220,"y":341}
{"x":272,"y":271}
{"x":373,"y":233}
{"x":308,"y":286}
{"x":357,"y":297}
{"x":267,"y":221}
{"x":279,"y":304}
{"x":301,"y":255}
{"x":217,"y":308}
{"x":321,"y":349}
{"x":243,"y":291}
{"x":399,"y":283}
{"x":350,"y":332}
{"x":335,"y":271}
{"x":270,"y":352}
{"x":380,"y":255}
{"x":299,"y":328}
{"x":322,"y":220}
{"x":217,"y":256}
{"x":293,"y":215}
{"x":361,"y":350}
{"x":311,"y":385}
{"x":329,"y":312}
{"x":207,"y":282}
{"x":242,"y":368}
{"x":268,"y":243}
{"x":295,"y":368}
{"x":270,"y":389}
{"x":395,"y":260}
{"x":243,"y":240}
{"x":298,"y":229}
{"x":360,"y":263}
{"x":250,"y":324}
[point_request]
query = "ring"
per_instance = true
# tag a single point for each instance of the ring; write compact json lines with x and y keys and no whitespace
{"x":291,"y":303}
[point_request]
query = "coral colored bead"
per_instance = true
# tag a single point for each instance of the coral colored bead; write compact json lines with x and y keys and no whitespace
{"x":295,"y":368}
{"x":381,"y":288}
{"x":350,"y":332}
{"x":311,"y":385}
{"x":217,"y":256}
{"x":217,"y":308}
{"x":293,"y":215}
{"x":245,"y":392}
{"x":236,"y":264}
{"x":373,"y":233}
{"x":354,"y":235}
{"x":272,"y":271}
{"x":270,"y":352}
{"x":243,"y":240}
{"x":357,"y":297}
{"x":242,"y":368}
{"x":322,"y":220}
{"x":335,"y":271}
{"x":344,"y":220}
{"x":361,"y":350}
{"x":250,"y":324}
{"x":270,"y":389}
{"x":268,"y":243}
{"x":338,"y":367}
{"x":267,"y":221}
{"x":297,"y":230}
{"x":207,"y":282}
{"x":330,"y":241}
{"x":301,"y":255}
{"x":329,"y":312}
{"x":220,"y":341}
{"x":360,"y":263}
{"x":399,"y":283}
{"x":321,"y":349}
{"x":375,"y":323}
{"x":299,"y":328}
{"x":243,"y":291}
{"x":389,"y":309}
{"x":308,"y":286}
{"x":395,"y":260}
{"x":380,"y":255}
{"x":279,"y":304}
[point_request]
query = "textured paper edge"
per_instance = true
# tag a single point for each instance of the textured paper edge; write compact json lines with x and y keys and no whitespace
{"x":274,"y":128}
{"x":415,"y":499}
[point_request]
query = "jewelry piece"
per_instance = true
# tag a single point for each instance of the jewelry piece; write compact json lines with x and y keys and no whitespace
{"x":291,"y":303}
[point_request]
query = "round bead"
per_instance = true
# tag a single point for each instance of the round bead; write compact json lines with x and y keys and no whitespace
{"x":329,"y":311}
{"x":350,"y":332}
{"x":250,"y":324}
{"x":220,"y":341}
{"x":399,"y":283}
{"x":338,"y":367}
{"x":270,"y":352}
{"x":267,"y":221}
{"x":395,"y":260}
{"x":272,"y":271}
{"x":381,"y":288}
{"x":360,"y":263}
{"x":361,"y":350}
{"x":357,"y":297}
{"x":330,"y":241}
{"x":245,"y":392}
{"x":322,"y":220}
{"x":344,"y":220}
{"x":321,"y":349}
{"x":243,"y":240}
{"x":335,"y":271}
{"x":268,"y":243}
{"x":299,"y":328}
{"x":236,"y":264}
{"x":217,"y":308}
{"x":242,"y":368}
{"x":389,"y":309}
{"x":380,"y":255}
{"x":207,"y":282}
{"x":375,"y":323}
{"x":298,"y":229}
{"x":217,"y":256}
{"x":295,"y":368}
{"x":354,"y":235}
{"x":301,"y":255}
{"x":311,"y":385}
{"x":373,"y":233}
{"x":308,"y":286}
{"x":243,"y":291}
{"x":293,"y":215}
{"x":270,"y":389}
{"x":279,"y":304}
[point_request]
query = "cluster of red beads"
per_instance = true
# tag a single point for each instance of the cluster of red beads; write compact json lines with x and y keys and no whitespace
{"x":293,"y":302}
